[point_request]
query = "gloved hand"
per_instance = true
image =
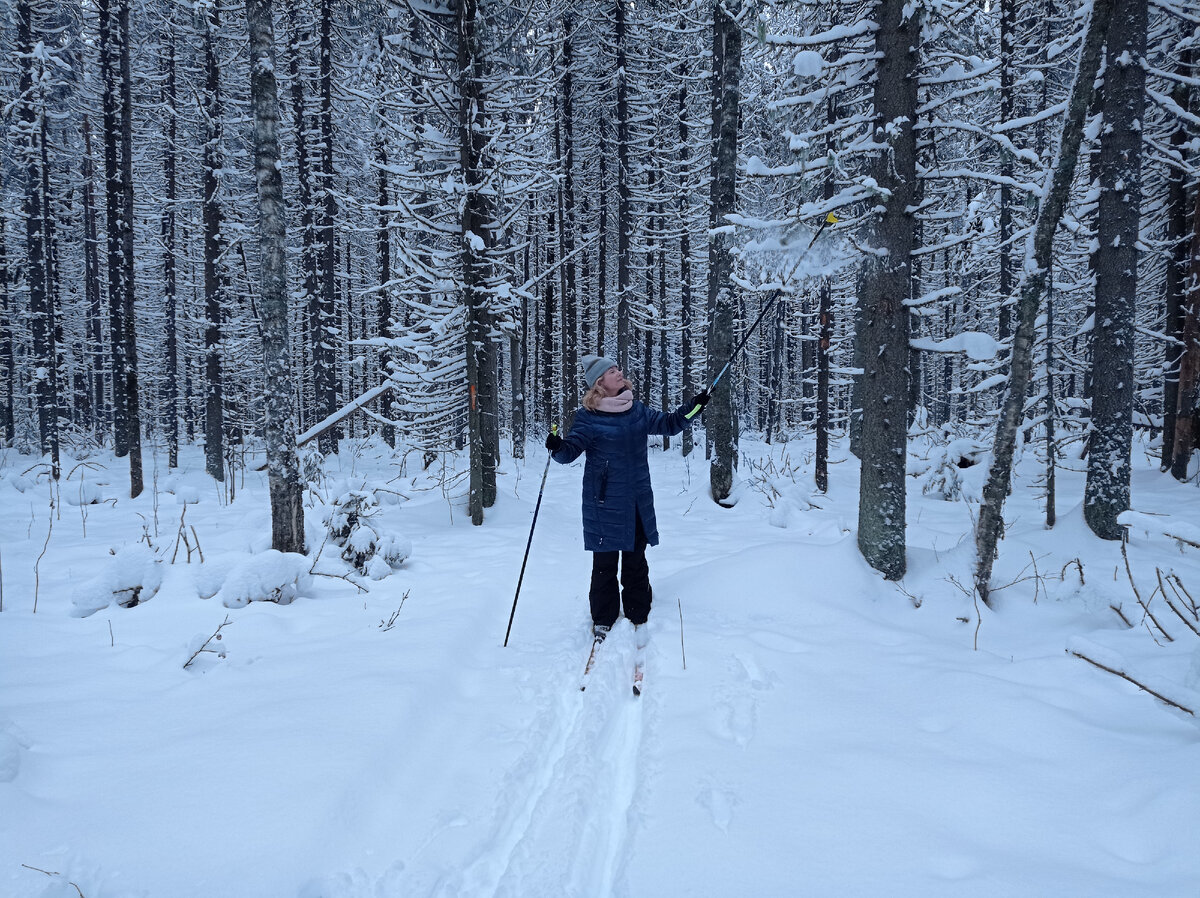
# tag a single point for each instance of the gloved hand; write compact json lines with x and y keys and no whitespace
{"x":700,"y":399}
{"x":553,"y":442}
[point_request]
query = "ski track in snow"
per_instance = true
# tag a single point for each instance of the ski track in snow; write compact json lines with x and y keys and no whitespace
{"x":565,"y":817}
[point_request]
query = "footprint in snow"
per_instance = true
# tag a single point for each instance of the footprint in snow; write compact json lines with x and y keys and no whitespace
{"x":719,"y":803}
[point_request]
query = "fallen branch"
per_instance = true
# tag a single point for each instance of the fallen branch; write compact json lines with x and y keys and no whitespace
{"x":1137,"y":595}
{"x":51,"y":873}
{"x":1125,"y":676}
{"x":1166,"y":598}
{"x":1121,"y":615}
{"x":204,"y":647}
{"x":1177,"y":585}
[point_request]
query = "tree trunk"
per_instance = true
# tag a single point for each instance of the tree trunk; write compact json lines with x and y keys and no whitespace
{"x":1033,"y":283}
{"x":1188,"y":404}
{"x":32,"y":116}
{"x":1178,"y":240}
{"x":686,"y":349}
{"x":214,"y":286}
{"x":476,"y":239}
{"x":325,"y":329}
{"x":624,"y":192}
{"x":283,"y":471}
{"x":1106,"y":493}
{"x":8,"y":366}
{"x":170,"y":250}
{"x":91,"y":285}
{"x":109,"y":67}
{"x":721,"y":413}
{"x":132,"y":403}
{"x":383,"y":249}
{"x":309,"y":299}
{"x":570,"y":296}
{"x":886,"y":283}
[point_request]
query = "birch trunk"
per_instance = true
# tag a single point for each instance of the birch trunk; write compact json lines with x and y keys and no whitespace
{"x":1032,"y":286}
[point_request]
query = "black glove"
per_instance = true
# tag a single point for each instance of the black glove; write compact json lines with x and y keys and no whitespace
{"x":553,"y":442}
{"x":700,"y":399}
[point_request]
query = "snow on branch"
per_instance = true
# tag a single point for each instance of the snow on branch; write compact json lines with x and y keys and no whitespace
{"x":837,"y":33}
{"x":323,"y":425}
{"x":979,"y":347}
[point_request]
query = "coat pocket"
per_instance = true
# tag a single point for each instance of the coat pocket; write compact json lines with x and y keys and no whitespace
{"x":602,"y":488}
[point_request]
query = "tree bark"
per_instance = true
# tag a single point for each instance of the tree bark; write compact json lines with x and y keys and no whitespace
{"x":283,"y":471}
{"x":885,"y":284}
{"x":214,"y":287}
{"x":1033,"y":283}
{"x":132,"y":403}
{"x":170,"y":251}
{"x":721,"y":413}
{"x":1188,"y":403}
{"x":477,"y":239}
{"x":1106,"y":493}
{"x":324,"y":328}
{"x":624,"y":191}
{"x":109,"y":68}
{"x":1178,"y":241}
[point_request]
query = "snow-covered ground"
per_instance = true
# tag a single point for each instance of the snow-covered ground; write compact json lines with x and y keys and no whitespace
{"x":830,"y":733}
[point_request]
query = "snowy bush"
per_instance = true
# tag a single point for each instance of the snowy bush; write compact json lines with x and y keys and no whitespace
{"x":132,"y":575}
{"x":365,"y":546}
{"x":270,"y":576}
{"x":943,"y":477}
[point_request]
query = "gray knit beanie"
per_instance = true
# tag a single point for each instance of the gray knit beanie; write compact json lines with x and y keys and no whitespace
{"x":594,"y":367}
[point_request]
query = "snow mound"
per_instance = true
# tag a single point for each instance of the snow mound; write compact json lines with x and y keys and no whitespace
{"x":210,"y":576}
{"x":271,"y":576}
{"x":88,"y":492}
{"x":133,"y":575}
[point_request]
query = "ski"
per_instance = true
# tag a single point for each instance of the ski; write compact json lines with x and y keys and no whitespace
{"x":639,"y":659}
{"x":591,"y":662}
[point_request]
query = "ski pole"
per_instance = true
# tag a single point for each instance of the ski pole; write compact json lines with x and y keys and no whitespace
{"x":525,"y":560}
{"x":829,"y":219}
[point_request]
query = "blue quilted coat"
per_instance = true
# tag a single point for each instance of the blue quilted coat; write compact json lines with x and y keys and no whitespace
{"x":616,"y":475}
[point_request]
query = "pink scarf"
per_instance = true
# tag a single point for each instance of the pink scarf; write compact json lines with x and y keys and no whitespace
{"x":622,"y":402}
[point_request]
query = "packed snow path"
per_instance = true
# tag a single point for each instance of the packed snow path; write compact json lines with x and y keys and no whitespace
{"x":830,"y":734}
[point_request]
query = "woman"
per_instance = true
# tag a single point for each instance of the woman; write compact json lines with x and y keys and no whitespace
{"x":618,"y":504}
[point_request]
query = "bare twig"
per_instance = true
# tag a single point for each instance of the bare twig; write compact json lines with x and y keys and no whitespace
{"x":1078,"y":564}
{"x":1166,"y":598}
{"x":1137,"y":595}
{"x":181,"y":534}
{"x":391,"y":621}
{"x":196,"y":537}
{"x":1121,"y":615}
{"x":1125,"y":676}
{"x":37,"y":564}
{"x":682,"y":650}
{"x":915,"y":600}
{"x":345,"y":577}
{"x":50,"y":873}
{"x":1177,"y":585}
{"x":204,"y":647}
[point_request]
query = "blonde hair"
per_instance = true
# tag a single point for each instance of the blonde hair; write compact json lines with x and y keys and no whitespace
{"x":591,"y":399}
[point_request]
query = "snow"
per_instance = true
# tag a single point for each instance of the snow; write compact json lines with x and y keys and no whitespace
{"x":808,"y":64}
{"x":977,"y":345}
{"x":806,"y":727}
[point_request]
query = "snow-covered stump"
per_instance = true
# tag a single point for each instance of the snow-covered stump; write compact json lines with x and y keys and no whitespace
{"x":271,"y":576}
{"x":132,"y":576}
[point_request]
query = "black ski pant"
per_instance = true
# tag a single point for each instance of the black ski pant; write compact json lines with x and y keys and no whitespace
{"x":635,"y":593}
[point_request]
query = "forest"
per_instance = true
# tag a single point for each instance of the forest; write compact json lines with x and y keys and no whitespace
{"x":267,"y":228}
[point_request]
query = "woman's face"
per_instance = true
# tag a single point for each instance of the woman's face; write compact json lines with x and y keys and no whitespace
{"x":612,"y":381}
